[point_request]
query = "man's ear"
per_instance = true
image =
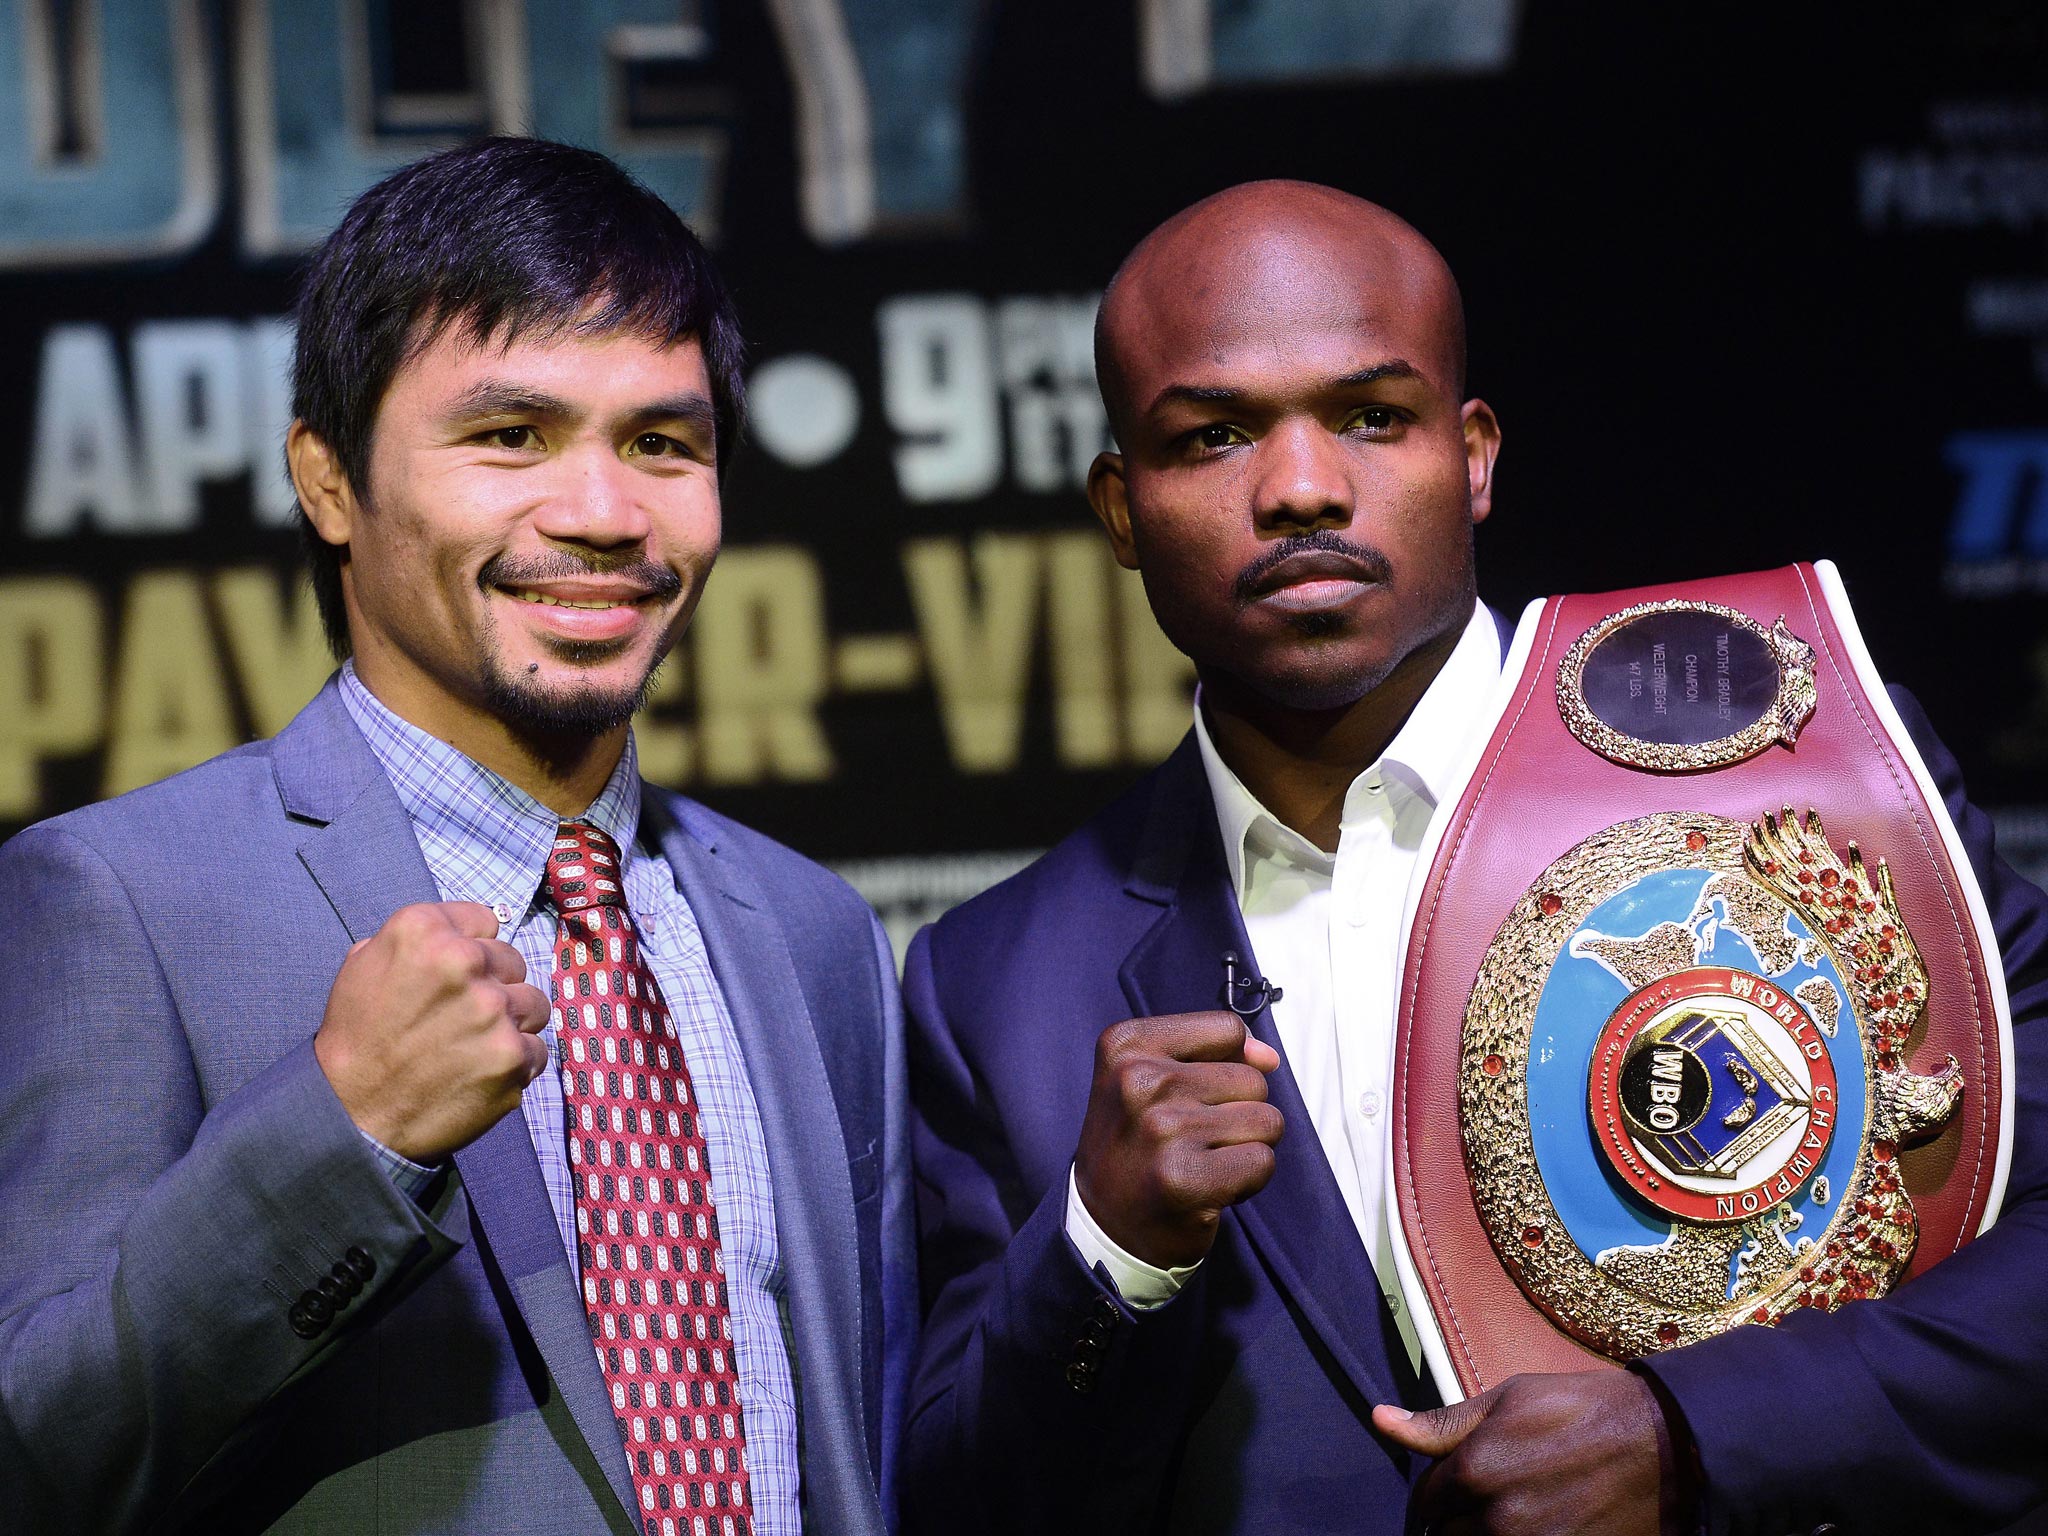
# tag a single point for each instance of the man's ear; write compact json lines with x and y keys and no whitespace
{"x":1482,"y":447}
{"x":1110,"y":498}
{"x":324,"y":492}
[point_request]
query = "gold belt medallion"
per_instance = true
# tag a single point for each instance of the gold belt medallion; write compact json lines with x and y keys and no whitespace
{"x":1682,"y":1087}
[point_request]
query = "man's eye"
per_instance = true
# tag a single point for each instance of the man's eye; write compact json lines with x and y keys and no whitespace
{"x":518,"y":439}
{"x":1376,"y":418}
{"x":655,"y":445}
{"x":1213,"y":437}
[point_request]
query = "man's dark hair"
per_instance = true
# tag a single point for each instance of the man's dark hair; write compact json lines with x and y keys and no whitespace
{"x":503,"y":238}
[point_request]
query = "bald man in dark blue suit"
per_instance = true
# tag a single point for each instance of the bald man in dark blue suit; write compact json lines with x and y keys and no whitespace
{"x":1298,"y":483}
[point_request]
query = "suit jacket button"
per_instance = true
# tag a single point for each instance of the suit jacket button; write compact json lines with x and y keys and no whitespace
{"x":1081,"y":1376}
{"x":360,"y":1264}
{"x":317,"y":1307}
{"x":345,"y":1278}
{"x":338,"y":1294}
{"x":304,"y":1324}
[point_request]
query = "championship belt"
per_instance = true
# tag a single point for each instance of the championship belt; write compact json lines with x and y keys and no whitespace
{"x":1701,"y":1014}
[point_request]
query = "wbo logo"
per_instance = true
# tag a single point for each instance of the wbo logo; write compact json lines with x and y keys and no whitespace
{"x":1713,"y":1094}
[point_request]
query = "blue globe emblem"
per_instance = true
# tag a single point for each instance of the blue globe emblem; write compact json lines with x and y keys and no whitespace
{"x":1713,"y":1025}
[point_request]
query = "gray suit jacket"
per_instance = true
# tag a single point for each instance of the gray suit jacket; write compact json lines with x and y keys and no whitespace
{"x":175,"y":1172}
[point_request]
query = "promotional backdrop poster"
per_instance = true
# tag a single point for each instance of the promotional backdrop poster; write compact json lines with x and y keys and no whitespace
{"x":1741,"y":294}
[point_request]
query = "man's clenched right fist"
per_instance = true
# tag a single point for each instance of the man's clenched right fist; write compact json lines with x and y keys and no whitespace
{"x":431,"y":1031}
{"x":1178,"y":1127}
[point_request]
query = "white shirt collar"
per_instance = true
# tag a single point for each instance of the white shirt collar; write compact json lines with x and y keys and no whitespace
{"x":1418,"y":761}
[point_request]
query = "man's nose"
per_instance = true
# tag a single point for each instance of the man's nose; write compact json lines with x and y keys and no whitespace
{"x":1304,"y":477}
{"x":597,"y":500}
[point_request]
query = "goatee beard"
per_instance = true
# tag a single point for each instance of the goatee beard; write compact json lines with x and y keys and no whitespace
{"x":569,"y":712}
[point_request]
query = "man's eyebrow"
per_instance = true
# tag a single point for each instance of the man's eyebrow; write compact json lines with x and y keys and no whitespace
{"x":1393,"y":368}
{"x":693,"y":409}
{"x":1217,"y":394}
{"x":495,"y":397}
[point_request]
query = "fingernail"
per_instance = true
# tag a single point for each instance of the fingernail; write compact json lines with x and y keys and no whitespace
{"x":1400,"y":1413}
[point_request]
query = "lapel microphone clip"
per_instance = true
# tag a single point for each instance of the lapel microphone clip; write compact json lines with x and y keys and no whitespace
{"x":1244,"y":994}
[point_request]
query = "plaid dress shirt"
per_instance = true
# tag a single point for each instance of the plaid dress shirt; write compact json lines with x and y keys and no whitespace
{"x":487,"y":841}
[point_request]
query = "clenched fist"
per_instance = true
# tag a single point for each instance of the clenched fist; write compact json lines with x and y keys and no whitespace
{"x":1178,"y":1127}
{"x":431,"y":1031}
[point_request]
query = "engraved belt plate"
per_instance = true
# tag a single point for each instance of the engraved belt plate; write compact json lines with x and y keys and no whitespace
{"x":1681,"y":685}
{"x":1681,"y":1088}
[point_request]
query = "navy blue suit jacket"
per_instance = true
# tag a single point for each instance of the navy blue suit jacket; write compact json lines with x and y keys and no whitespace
{"x":1243,"y":1404}
{"x":175,"y":1172}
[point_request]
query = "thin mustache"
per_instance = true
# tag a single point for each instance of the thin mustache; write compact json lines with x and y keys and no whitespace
{"x":1377,"y":566}
{"x":500,"y":571}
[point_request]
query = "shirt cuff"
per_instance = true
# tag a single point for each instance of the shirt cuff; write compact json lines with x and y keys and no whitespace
{"x":1142,"y":1286}
{"x":413,"y":1180}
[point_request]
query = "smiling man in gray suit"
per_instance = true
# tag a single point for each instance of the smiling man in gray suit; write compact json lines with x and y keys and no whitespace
{"x":416,"y":1122}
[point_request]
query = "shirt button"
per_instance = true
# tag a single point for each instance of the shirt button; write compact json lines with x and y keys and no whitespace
{"x":1374,"y":786}
{"x":502,"y":911}
{"x":1394,"y":1302}
{"x":1369,"y":1103}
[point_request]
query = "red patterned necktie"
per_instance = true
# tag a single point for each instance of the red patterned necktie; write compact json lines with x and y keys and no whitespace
{"x":653,"y":1279}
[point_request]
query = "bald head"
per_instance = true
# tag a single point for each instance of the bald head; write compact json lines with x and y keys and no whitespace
{"x":1266,"y":249}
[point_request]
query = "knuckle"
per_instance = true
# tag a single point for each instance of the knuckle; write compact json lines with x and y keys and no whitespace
{"x":423,"y":919}
{"x":1117,"y":1040}
{"x":1140,"y":1081}
{"x":511,"y":1056}
{"x":1259,"y":1162}
{"x":1461,"y":1476}
{"x":402,"y":929}
{"x":457,"y":958}
{"x":1163,"y":1121}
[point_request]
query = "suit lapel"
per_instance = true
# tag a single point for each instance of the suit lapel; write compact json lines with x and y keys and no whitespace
{"x":502,"y":1178}
{"x":1298,"y":1224}
{"x":361,"y":851}
{"x":813,"y":1191}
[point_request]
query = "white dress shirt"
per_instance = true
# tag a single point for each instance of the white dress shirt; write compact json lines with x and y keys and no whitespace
{"x":1326,"y":929}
